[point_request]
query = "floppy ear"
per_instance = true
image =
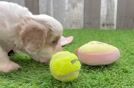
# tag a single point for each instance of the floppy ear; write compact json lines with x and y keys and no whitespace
{"x":33,"y":36}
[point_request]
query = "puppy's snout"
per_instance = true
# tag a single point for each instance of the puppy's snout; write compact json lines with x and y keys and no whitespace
{"x":58,"y":48}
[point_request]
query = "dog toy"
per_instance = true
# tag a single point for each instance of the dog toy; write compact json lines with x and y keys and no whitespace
{"x":65,"y":66}
{"x":65,"y":40}
{"x":98,"y":53}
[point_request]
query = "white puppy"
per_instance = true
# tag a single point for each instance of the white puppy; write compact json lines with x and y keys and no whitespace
{"x":20,"y":30}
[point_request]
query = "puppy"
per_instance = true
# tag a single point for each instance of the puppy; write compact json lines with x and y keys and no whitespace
{"x":20,"y":30}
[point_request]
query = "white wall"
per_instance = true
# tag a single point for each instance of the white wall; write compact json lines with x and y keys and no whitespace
{"x":68,"y":12}
{"x":21,"y":2}
{"x":108,"y":14}
{"x":78,"y":13}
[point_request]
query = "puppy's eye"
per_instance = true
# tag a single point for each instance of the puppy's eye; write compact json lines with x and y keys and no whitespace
{"x":54,"y":42}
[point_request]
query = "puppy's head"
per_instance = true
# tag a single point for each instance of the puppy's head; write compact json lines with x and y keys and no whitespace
{"x":39,"y":38}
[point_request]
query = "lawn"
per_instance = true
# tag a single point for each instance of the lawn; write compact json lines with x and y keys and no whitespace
{"x":117,"y":75}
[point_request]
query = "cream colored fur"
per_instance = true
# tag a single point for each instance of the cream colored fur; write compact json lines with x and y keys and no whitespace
{"x":20,"y":30}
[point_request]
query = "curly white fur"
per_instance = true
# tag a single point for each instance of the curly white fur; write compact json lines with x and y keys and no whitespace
{"x":11,"y":15}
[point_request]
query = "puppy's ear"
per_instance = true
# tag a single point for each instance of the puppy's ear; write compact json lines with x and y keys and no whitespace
{"x":33,"y":35}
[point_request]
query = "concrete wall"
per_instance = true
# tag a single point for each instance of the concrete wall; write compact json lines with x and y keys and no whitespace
{"x":74,"y":13}
{"x":45,"y":6}
{"x":21,"y":2}
{"x":92,"y":13}
{"x":125,"y":15}
{"x":106,"y":14}
{"x":33,"y":6}
{"x":68,"y":12}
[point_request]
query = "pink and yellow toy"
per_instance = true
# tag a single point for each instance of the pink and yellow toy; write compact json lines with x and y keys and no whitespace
{"x":98,"y":53}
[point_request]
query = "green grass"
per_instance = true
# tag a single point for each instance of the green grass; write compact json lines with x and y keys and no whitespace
{"x":117,"y":75}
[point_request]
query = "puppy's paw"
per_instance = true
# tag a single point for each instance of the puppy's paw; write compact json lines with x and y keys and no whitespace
{"x":44,"y":60}
{"x":8,"y":67}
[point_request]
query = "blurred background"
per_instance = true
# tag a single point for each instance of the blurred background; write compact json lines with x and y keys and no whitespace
{"x":76,"y":14}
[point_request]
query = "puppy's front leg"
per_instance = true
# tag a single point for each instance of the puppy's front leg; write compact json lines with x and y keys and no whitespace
{"x":5,"y":64}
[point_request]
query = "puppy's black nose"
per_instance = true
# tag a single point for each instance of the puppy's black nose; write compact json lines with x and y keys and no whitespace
{"x":11,"y":52}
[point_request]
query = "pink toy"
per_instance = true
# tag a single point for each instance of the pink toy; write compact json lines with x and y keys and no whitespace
{"x":98,"y":53}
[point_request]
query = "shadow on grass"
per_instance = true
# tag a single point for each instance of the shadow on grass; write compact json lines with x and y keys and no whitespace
{"x":99,"y":68}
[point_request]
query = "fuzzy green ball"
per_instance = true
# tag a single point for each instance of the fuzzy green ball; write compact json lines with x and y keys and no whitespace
{"x":65,"y":66}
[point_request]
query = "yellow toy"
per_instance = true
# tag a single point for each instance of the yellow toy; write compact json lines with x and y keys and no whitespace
{"x":65,"y":66}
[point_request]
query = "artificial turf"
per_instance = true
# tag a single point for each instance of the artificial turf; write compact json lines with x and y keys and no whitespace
{"x":116,"y":75}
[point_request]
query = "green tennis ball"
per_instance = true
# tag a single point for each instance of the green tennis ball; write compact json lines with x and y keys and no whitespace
{"x":65,"y":66}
